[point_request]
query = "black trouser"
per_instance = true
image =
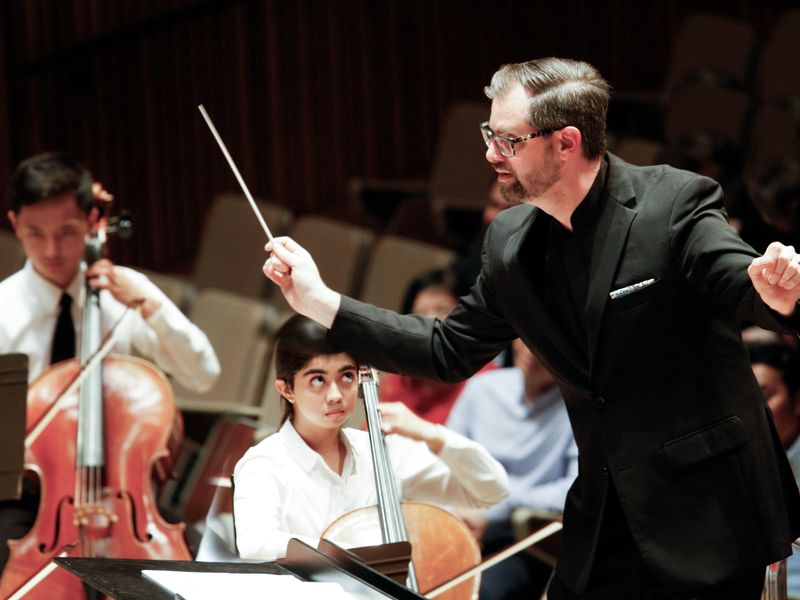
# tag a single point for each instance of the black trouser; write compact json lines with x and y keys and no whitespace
{"x":620,"y":573}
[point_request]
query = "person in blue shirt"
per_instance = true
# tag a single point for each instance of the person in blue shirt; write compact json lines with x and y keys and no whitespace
{"x":519,"y":416}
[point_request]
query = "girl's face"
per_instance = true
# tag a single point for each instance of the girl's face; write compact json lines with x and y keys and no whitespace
{"x":323,"y":393}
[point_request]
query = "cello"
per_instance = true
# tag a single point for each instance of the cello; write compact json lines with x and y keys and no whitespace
{"x":442,"y":546}
{"x":94,"y":453}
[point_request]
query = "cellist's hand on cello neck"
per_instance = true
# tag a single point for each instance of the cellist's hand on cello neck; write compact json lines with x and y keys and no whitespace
{"x":291,"y":267}
{"x":397,"y":418}
{"x":105,"y":275}
{"x":475,"y":519}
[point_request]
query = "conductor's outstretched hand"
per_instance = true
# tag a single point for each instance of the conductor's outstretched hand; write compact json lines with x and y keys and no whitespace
{"x":776,"y":277}
{"x":291,"y":267}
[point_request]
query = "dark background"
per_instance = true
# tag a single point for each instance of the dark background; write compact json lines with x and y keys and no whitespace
{"x":306,"y":93}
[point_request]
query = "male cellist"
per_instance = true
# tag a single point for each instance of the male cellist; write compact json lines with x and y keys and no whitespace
{"x":52,"y":207}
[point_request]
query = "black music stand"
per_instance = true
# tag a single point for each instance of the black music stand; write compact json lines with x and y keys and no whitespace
{"x":13,"y":398}
{"x":123,"y":579}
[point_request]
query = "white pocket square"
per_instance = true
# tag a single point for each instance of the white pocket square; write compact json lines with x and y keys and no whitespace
{"x":629,"y":289}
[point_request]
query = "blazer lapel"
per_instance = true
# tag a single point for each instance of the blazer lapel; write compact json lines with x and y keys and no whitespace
{"x":613,"y":226}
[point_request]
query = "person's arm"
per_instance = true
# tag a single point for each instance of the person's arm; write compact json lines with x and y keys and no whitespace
{"x":776,"y":278}
{"x":292,"y":268}
{"x":448,"y":469}
{"x":722,"y":267}
{"x":397,"y":418}
{"x":450,"y":350}
{"x":163,"y":334}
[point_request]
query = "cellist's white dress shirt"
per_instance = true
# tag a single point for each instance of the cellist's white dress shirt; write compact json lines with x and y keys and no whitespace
{"x":29,"y":306}
{"x":284,"y":489}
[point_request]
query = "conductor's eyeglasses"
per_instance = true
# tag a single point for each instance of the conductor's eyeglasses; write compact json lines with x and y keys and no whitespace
{"x":505,"y":144}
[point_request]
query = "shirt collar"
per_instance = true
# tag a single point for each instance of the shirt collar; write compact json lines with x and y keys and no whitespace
{"x":47,"y":294}
{"x":589,"y":209}
{"x":308,"y":458}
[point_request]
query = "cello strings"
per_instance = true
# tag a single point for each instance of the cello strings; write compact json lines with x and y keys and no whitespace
{"x":238,"y":175}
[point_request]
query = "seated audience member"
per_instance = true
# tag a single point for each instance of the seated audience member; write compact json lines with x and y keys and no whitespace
{"x":777,"y":370}
{"x":432,"y":294}
{"x":519,"y":416}
{"x":774,"y":212}
{"x":297,"y":481}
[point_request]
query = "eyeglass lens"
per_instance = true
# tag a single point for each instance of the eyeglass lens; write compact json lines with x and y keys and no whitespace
{"x":504,"y":147}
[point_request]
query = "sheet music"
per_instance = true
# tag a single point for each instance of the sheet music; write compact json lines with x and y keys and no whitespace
{"x":245,"y":586}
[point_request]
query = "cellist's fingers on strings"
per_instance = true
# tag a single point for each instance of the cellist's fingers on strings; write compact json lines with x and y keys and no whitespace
{"x":105,"y":275}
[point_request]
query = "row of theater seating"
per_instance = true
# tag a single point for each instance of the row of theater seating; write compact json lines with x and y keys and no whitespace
{"x":229,"y":298}
{"x":728,"y":98}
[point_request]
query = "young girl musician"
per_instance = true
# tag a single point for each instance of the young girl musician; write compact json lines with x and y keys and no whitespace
{"x":300,"y":479}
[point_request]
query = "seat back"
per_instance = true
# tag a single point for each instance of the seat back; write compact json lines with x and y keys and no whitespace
{"x":12,"y":256}
{"x":394,"y":263}
{"x":776,"y":74}
{"x":228,"y":440}
{"x":461,"y":176}
{"x":713,"y":49}
{"x":232,"y":245}
{"x":236,"y":327}
{"x":714,"y":109}
{"x":176,"y":288}
{"x":339,"y":250}
{"x":775,"y":136}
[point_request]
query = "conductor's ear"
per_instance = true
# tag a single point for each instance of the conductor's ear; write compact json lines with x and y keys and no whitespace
{"x":569,"y":139}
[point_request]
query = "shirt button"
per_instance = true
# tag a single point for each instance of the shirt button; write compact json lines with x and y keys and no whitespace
{"x":605,"y":470}
{"x":599,"y":402}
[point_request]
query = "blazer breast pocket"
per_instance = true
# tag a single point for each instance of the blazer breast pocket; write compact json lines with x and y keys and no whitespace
{"x":634,"y":294}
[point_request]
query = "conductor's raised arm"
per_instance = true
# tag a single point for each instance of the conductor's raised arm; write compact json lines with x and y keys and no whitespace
{"x":291,"y":267}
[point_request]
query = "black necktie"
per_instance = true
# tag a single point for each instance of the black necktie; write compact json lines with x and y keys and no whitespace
{"x":64,"y":336}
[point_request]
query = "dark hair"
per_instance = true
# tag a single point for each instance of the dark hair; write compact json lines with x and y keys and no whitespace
{"x":50,"y":175}
{"x":562,"y":92}
{"x":779,"y":356}
{"x":438,"y":278}
{"x":298,"y":341}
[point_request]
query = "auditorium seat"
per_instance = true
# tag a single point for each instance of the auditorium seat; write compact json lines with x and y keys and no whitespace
{"x":459,"y":177}
{"x":12,"y":256}
{"x":339,"y":249}
{"x":231,"y":249}
{"x":394,"y":262}
{"x":238,"y":330}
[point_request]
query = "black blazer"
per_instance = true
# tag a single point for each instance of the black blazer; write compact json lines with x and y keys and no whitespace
{"x":667,"y":406}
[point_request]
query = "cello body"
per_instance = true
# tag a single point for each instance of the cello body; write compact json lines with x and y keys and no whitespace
{"x":442,"y":546}
{"x":107,"y":511}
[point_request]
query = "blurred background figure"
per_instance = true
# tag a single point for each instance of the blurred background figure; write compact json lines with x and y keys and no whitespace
{"x":775,"y":209}
{"x":431,"y":294}
{"x":776,"y":368}
{"x":519,"y":416}
{"x":495,"y":204}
